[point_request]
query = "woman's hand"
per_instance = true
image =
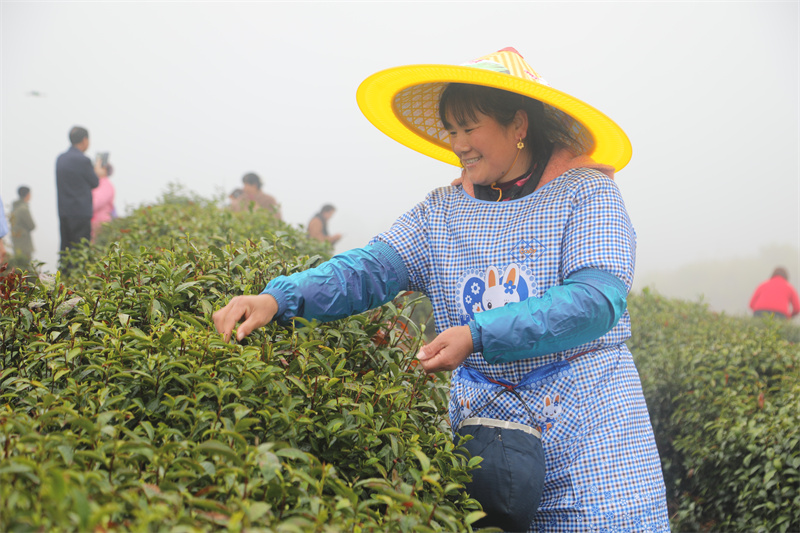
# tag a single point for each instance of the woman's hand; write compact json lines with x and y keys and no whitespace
{"x":459,"y":180}
{"x":257,"y":311}
{"x":464,"y":182}
{"x":447,"y":350}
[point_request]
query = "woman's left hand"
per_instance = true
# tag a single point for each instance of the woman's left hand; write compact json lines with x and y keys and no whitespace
{"x":447,"y":350}
{"x":464,"y":182}
{"x":459,"y":180}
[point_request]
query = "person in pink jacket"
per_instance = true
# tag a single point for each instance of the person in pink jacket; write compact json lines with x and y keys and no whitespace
{"x":102,"y":200}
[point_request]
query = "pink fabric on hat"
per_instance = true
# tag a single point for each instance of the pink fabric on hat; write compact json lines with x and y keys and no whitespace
{"x":561,"y":161}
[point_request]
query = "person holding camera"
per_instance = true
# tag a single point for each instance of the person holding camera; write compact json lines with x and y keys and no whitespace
{"x":103,"y":209}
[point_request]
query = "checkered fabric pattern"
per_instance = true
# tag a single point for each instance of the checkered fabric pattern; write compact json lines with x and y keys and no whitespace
{"x":602,"y":470}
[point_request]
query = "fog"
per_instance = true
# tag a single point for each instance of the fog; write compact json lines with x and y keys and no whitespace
{"x":202,"y":93}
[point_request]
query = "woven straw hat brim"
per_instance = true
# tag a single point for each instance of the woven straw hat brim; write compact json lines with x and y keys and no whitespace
{"x":402,"y":102}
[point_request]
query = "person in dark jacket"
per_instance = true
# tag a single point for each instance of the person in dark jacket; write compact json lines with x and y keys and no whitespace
{"x":75,"y":179}
{"x":21,"y":226}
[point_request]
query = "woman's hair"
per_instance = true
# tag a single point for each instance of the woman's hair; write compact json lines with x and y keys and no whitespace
{"x":780,"y":271}
{"x":463,"y":101}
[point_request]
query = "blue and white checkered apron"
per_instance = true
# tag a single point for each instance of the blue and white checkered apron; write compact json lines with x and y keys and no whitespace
{"x":603,"y":471}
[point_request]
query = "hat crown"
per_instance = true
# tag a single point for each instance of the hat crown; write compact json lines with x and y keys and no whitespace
{"x":510,"y":62}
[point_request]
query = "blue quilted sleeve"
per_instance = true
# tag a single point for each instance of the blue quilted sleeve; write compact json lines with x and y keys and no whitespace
{"x":585,"y":307}
{"x":347,"y":284}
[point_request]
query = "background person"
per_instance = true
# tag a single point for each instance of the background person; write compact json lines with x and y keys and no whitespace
{"x":253,"y":196}
{"x":3,"y":233}
{"x":234,"y":198}
{"x":103,"y":209}
{"x":75,"y":179}
{"x":21,"y":226}
{"x":527,"y":264}
{"x":318,"y":225}
{"x":776,"y":296}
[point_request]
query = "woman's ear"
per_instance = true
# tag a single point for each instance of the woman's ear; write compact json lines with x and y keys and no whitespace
{"x":520,"y":123}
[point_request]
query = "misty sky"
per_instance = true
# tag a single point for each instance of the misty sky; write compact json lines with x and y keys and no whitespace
{"x":202,"y":93}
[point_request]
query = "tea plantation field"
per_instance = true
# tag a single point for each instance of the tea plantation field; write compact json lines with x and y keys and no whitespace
{"x":723,"y":394}
{"x":122,"y":410}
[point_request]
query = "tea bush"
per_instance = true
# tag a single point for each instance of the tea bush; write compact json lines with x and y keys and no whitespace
{"x":122,"y":409}
{"x":723,"y":394}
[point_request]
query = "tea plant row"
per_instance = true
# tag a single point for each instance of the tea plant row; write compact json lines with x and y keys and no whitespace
{"x":723,"y":394}
{"x":122,"y":409}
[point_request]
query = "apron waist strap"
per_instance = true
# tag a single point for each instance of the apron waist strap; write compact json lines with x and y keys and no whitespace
{"x":505,"y":424}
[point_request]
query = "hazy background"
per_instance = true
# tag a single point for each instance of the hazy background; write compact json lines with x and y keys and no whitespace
{"x":200,"y":93}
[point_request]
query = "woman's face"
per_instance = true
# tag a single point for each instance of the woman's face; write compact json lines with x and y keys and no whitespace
{"x":487,"y":149}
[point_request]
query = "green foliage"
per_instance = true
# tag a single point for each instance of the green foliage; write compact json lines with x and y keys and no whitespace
{"x":723,"y":394}
{"x":122,"y":409}
{"x":182,"y":216}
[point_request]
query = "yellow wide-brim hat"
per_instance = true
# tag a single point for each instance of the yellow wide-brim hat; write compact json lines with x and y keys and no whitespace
{"x":403,"y":102}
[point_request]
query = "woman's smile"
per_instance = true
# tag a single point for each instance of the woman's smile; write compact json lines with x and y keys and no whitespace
{"x":487,"y":149}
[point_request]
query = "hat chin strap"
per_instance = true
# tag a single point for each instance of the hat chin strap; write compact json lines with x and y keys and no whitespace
{"x":520,"y":146}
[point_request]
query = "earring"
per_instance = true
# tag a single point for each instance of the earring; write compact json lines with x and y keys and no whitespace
{"x":520,"y":145}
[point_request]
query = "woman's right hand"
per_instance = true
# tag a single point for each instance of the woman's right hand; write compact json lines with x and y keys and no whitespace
{"x":252,"y":311}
